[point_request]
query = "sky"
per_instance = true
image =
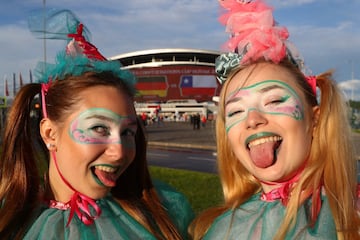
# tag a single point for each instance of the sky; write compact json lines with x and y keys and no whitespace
{"x":326,"y":32}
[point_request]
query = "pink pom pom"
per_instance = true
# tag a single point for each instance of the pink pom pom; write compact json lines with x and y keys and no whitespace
{"x":252,"y":26}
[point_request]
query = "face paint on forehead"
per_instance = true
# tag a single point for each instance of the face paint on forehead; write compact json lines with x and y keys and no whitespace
{"x":261,"y":87}
{"x":101,"y":126}
{"x":270,"y":97}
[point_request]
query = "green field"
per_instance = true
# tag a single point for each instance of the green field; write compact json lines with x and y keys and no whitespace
{"x":202,"y":189}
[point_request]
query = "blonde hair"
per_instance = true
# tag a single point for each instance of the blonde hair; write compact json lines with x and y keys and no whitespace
{"x":331,"y":164}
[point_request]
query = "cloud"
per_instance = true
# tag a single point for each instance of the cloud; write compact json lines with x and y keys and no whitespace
{"x":350,"y":84}
{"x":329,"y":47}
{"x":124,"y":26}
{"x":290,"y":3}
{"x":351,"y":89}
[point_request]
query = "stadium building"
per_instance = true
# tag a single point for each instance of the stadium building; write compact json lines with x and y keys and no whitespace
{"x":167,"y":74}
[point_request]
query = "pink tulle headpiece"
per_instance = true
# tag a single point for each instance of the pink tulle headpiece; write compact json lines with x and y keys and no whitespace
{"x":252,"y":27}
{"x":254,"y":35}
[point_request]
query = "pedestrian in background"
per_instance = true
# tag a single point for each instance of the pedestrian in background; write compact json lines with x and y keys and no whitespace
{"x":203,"y":121}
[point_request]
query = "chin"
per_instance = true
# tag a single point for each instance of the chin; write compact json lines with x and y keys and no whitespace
{"x":273,"y":173}
{"x":98,"y":194}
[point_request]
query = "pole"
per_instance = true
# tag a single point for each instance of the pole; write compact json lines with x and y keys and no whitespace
{"x":44,"y":27}
{"x":352,"y":78}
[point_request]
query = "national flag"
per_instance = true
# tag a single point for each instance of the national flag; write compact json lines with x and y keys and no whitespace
{"x":6,"y":88}
{"x":191,"y":85}
{"x":152,"y":86}
{"x":21,"y":80}
{"x":31,"y":78}
{"x":14,"y":84}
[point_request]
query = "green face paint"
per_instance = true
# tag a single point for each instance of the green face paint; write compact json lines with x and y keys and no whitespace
{"x":102,"y":126}
{"x":269,"y":97}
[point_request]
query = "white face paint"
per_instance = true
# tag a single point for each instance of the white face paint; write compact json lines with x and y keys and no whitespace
{"x":102,"y":126}
{"x":269,"y":97}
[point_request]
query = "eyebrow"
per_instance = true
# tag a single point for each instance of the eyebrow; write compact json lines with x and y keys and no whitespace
{"x":132,"y":121}
{"x":233,"y":100}
{"x":262,"y":90}
{"x":269,"y":88}
{"x":100,"y":117}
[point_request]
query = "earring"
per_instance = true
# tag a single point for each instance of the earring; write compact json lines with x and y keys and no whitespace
{"x":49,"y":146}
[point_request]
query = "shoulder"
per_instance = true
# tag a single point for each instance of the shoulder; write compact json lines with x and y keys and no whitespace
{"x":170,"y":197}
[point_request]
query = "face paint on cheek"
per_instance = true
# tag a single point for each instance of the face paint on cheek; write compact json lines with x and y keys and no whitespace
{"x":288,"y":106}
{"x":101,"y":126}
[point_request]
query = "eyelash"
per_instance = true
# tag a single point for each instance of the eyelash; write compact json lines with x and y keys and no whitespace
{"x":235,"y":112}
{"x":128,"y":133}
{"x":104,"y":130}
{"x":271,"y":102}
{"x":278,"y":100}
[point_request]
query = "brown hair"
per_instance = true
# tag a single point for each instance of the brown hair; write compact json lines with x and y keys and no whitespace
{"x":25,"y":157}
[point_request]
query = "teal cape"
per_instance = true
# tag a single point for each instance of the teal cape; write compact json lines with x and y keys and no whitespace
{"x":113,"y":223}
{"x":260,"y":220}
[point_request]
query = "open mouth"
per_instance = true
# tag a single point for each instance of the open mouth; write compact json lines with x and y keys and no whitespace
{"x":105,"y":175}
{"x":264,"y":149}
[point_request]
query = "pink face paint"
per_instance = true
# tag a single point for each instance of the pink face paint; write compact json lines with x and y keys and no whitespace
{"x":102,"y":126}
{"x":269,"y":97}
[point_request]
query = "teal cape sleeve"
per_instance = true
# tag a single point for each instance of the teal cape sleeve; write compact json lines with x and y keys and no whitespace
{"x":113,"y":223}
{"x":256,"y":219}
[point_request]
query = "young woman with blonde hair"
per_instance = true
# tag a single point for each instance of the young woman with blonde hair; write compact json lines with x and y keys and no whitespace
{"x":285,"y":154}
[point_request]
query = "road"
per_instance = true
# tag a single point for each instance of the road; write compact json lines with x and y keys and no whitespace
{"x":187,"y":159}
{"x":162,"y":150}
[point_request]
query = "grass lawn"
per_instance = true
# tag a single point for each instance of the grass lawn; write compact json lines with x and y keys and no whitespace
{"x":203,"y":190}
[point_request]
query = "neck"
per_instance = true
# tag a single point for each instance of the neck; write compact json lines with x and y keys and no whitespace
{"x":60,"y":191}
{"x":280,"y":190}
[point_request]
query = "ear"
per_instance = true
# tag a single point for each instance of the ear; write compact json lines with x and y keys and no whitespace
{"x":316,"y":115}
{"x":48,"y":133}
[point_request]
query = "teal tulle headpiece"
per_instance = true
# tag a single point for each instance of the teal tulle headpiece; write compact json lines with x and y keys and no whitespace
{"x":80,"y":55}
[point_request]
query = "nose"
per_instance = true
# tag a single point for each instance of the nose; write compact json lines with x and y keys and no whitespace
{"x":115,"y":151}
{"x":255,"y":118}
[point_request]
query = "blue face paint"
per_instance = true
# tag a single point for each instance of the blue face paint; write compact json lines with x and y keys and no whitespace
{"x":269,"y":97}
{"x":102,"y":126}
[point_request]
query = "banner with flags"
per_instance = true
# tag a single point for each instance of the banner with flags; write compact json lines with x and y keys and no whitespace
{"x":191,"y":85}
{"x":152,"y":85}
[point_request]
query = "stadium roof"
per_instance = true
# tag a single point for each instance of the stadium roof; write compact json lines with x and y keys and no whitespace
{"x":167,"y":56}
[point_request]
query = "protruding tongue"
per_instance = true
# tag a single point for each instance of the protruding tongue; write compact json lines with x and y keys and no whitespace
{"x":263,"y":155}
{"x":108,"y":179}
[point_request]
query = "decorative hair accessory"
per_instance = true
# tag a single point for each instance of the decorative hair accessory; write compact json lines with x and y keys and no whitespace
{"x":254,"y":35}
{"x":44,"y":89}
{"x":79,"y":56}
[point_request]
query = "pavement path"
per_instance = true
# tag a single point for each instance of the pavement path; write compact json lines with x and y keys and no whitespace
{"x":182,"y":134}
